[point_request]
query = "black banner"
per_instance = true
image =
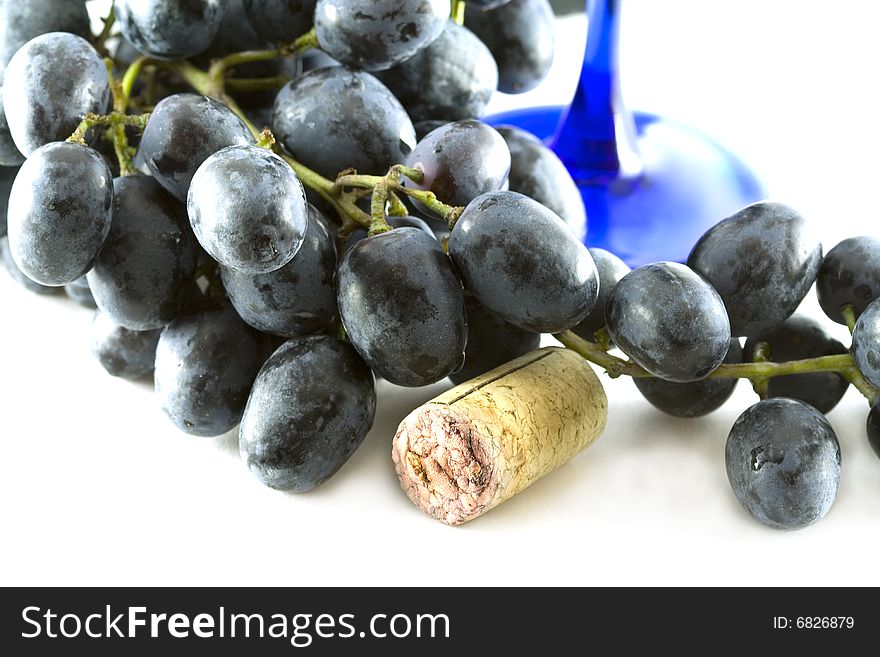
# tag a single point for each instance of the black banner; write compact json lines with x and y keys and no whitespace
{"x":339,"y":621}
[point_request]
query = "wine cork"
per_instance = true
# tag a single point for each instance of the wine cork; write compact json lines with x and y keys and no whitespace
{"x":484,"y":441}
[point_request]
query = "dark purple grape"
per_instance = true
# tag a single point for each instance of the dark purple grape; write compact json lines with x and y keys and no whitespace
{"x":51,"y":83}
{"x":462,"y":73}
{"x":248,"y":209}
{"x":849,"y":275}
{"x":22,"y":20}
{"x":866,"y":343}
{"x":428,"y":126}
{"x":521,"y":261}
{"x":670,"y":321}
{"x":359,"y":234}
{"x":520,"y":35}
{"x":297,"y":299}
{"x":80,"y":292}
{"x":185,"y":130}
{"x":123,"y":353}
{"x":170,"y":29}
{"x":7,"y":177}
{"x":873,"y":428}
{"x":377,"y":34}
{"x":206,"y":363}
{"x":693,"y":399}
{"x":536,"y":172}
{"x":460,"y":161}
{"x":59,"y":212}
{"x":402,"y":307}
{"x":311,"y":407}
{"x":491,"y":341}
{"x":140,"y":277}
{"x":10,"y":156}
{"x":797,"y":338}
{"x":17,"y":275}
{"x":280,"y":21}
{"x":762,"y":261}
{"x":334,"y":118}
{"x":611,"y":269}
{"x":783,"y":463}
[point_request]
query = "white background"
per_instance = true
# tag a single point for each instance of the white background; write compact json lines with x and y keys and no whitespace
{"x":97,"y":487}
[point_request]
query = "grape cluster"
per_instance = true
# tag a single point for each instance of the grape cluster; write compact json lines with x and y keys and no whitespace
{"x":265,"y":277}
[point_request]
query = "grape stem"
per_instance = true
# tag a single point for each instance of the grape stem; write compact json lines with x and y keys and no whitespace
{"x":615,"y":367}
{"x":458,"y":7}
{"x":219,"y":68}
{"x":849,"y":316}
{"x":100,"y":41}
{"x":392,"y":180}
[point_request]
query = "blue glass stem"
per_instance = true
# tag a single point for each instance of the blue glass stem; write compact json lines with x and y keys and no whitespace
{"x":596,"y":138}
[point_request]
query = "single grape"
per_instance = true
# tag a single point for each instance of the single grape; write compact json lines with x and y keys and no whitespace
{"x":334,"y":118}
{"x":51,"y":83}
{"x":536,"y":172}
{"x":10,"y":156}
{"x":521,"y":261}
{"x":297,"y":299}
{"x":462,"y":72}
{"x":866,"y":343}
{"x":611,"y":269}
{"x":248,"y":209}
{"x":402,"y":307}
{"x":311,"y":407}
{"x":17,"y":275}
{"x":170,"y":29}
{"x":80,"y":292}
{"x":783,"y":463}
{"x":797,"y":338}
{"x":280,"y":21}
{"x":359,"y":234}
{"x":206,"y":363}
{"x":491,"y":341}
{"x":460,"y":161}
{"x":849,"y":275}
{"x":59,"y":212}
{"x":123,"y":353}
{"x":185,"y":130}
{"x":670,"y":321}
{"x":873,"y":428}
{"x":377,"y":34}
{"x":521,"y":36}
{"x":693,"y":399}
{"x":140,"y":277}
{"x":22,"y":20}
{"x":423,"y":128}
{"x":7,"y":177}
{"x":762,"y":261}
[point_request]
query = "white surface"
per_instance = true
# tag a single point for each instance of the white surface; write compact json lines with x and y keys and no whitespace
{"x":97,"y":487}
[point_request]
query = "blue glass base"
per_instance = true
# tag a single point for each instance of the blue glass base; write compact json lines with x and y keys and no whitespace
{"x":688,"y":184}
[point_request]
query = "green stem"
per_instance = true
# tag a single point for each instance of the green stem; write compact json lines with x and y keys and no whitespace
{"x":841,"y":364}
{"x":91,"y":120}
{"x":220,"y":67}
{"x":250,"y":85}
{"x":101,"y":39}
{"x":448,"y":213}
{"x":761,"y":355}
{"x":458,"y":8}
{"x":849,"y":316}
{"x":132,"y":73}
{"x":378,"y":206}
